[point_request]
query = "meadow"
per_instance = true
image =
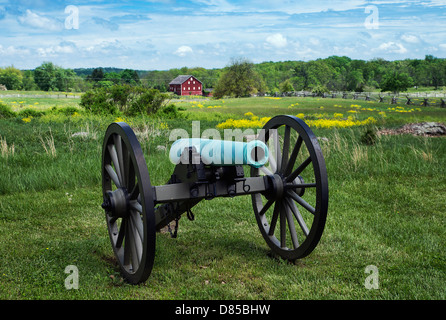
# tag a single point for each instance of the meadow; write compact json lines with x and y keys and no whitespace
{"x":386,"y":208}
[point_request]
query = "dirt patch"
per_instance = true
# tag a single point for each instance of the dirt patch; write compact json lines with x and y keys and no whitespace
{"x":426,"y":129}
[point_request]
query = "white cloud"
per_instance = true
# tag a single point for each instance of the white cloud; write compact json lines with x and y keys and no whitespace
{"x":392,"y":47}
{"x":183,"y":51}
{"x":277,"y":40}
{"x":34,"y":20}
{"x":410,"y":38}
{"x":55,"y":50}
{"x":13,"y":51}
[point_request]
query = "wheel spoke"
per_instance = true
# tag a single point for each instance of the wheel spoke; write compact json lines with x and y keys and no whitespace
{"x":135,"y":192}
{"x":301,"y":201}
{"x":286,"y":148}
{"x":136,"y":206}
{"x":114,"y":157}
{"x":113,"y":175}
{"x":293,"y":156}
{"x":266,"y":207}
{"x":274,"y":219}
{"x":127,"y":246}
{"x":282,"y":226}
{"x":300,"y":186}
{"x":298,"y":217}
{"x":137,"y":222}
{"x":135,"y":246}
{"x":291,"y":226}
{"x":272,"y":162}
{"x":266,"y":171}
{"x":277,"y":149}
{"x":121,"y":234}
{"x":296,"y":172}
{"x":120,"y":157}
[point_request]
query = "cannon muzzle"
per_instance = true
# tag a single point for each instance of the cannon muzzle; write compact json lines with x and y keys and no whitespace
{"x":222,"y":153}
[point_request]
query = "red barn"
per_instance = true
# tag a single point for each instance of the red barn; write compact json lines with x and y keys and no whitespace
{"x":186,"y":86}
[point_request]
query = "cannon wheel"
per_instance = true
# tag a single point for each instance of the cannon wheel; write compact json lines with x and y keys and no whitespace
{"x":128,"y":202}
{"x":292,"y":216}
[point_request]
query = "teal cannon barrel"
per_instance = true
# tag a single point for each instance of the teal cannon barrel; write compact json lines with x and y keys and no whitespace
{"x":222,"y":153}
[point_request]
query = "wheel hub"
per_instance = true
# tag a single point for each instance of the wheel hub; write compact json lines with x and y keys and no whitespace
{"x":276,"y":187}
{"x":116,"y":203}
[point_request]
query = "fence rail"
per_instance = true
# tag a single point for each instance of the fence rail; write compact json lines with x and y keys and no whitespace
{"x":53,"y":96}
{"x":415,"y":98}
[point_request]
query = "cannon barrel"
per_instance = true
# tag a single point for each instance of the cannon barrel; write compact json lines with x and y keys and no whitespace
{"x":222,"y":153}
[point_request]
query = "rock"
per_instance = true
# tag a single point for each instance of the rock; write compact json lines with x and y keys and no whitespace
{"x":322,"y":139}
{"x":426,"y":128}
{"x":161,"y":148}
{"x":429,"y":129}
{"x":3,"y":88}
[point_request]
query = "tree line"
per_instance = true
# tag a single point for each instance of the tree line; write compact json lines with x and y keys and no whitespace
{"x":241,"y":77}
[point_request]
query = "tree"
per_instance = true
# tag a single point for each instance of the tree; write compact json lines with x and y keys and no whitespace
{"x":435,"y":71}
{"x":239,"y":80}
{"x":11,"y":77}
{"x":50,"y":77}
{"x":286,"y":86}
{"x":129,"y":76}
{"x":28,"y":82}
{"x":97,"y":75}
{"x":396,"y":82}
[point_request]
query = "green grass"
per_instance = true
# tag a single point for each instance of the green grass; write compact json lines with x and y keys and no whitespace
{"x":386,"y":209}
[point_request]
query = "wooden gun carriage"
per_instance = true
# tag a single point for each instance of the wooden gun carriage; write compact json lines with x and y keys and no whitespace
{"x":287,"y":182}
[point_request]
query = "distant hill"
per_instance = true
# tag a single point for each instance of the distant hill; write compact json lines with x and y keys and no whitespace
{"x":83,"y":72}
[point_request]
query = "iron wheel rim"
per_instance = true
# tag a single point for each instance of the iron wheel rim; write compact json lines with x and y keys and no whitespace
{"x":132,"y":234}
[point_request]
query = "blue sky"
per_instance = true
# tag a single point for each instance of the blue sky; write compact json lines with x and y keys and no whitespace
{"x":164,"y":34}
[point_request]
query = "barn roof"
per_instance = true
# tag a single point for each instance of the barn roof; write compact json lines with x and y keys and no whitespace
{"x":182,"y":79}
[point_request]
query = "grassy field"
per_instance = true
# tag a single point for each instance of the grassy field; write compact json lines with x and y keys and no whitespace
{"x":387,"y":208}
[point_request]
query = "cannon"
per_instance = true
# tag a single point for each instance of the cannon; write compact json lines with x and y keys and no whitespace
{"x":282,"y":170}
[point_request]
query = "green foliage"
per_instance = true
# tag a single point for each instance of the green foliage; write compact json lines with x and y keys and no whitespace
{"x":146,"y":101}
{"x":97,"y":102}
{"x":320,"y":90}
{"x":11,"y":77}
{"x":25,"y":113}
{"x":170,"y":112}
{"x":396,"y":82}
{"x":286,"y":86}
{"x":239,"y":80}
{"x":50,"y":77}
{"x":369,"y":136}
{"x":126,"y":99}
{"x":6,"y":112}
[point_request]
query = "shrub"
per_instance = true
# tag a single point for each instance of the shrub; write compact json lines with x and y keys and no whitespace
{"x":170,"y":112}
{"x":96,"y":102}
{"x":66,"y":111}
{"x":6,"y":112}
{"x":123,"y":98}
{"x":320,"y":90}
{"x":369,"y":136}
{"x":147,"y":102}
{"x":26,"y":113}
